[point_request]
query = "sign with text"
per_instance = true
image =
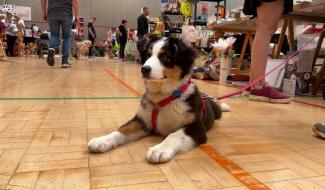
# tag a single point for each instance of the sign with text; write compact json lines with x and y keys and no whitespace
{"x":24,"y":13}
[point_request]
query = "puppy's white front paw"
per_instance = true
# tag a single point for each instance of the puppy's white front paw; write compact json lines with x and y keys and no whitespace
{"x":102,"y":144}
{"x":160,"y":154}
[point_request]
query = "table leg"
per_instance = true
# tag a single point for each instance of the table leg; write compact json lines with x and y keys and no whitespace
{"x":321,"y":74}
{"x":281,"y":39}
{"x":242,"y":53}
{"x":319,"y":79}
{"x":291,"y":34}
{"x":318,"y":48}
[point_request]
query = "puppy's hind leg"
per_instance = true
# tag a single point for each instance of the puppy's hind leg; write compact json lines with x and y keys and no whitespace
{"x":132,"y":130}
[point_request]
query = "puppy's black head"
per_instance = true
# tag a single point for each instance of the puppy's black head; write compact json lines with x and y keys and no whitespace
{"x":168,"y":58}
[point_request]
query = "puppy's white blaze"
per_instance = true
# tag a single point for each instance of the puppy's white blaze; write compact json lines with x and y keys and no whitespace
{"x":157,"y":47}
{"x":156,"y":68}
{"x":154,"y":63}
{"x":225,"y":107}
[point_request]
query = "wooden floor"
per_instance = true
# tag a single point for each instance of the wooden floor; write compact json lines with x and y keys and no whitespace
{"x":43,"y":136}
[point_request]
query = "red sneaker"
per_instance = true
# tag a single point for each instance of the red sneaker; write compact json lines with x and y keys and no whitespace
{"x":268,"y":94}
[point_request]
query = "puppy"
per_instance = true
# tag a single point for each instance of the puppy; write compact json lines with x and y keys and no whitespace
{"x":172,"y":105}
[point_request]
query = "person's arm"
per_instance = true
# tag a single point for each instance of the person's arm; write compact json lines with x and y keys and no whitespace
{"x":43,"y":2}
{"x":75,"y":4}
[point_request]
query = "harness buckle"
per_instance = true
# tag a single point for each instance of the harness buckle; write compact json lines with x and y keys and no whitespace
{"x":177,"y":94}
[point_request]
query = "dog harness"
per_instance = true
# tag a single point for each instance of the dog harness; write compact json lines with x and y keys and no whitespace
{"x":175,"y":95}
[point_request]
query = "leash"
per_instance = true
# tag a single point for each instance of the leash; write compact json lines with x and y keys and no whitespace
{"x":268,"y":73}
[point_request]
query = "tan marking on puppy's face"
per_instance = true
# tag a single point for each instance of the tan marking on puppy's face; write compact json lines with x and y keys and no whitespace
{"x":173,"y":74}
{"x":154,"y":86}
{"x":172,"y":79}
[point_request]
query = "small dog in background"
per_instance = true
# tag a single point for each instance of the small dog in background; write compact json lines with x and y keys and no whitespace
{"x":172,"y":106}
{"x":20,"y":40}
{"x":82,"y":48}
{"x":30,"y":49}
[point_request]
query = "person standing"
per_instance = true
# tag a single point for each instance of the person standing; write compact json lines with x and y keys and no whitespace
{"x":269,"y":13}
{"x":11,"y":35}
{"x":143,"y":29}
{"x":91,"y":36}
{"x":123,"y":38}
{"x":143,"y":23}
{"x":59,"y":15}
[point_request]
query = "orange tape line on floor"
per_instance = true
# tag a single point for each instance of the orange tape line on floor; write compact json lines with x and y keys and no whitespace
{"x":244,"y":177}
{"x":124,"y":84}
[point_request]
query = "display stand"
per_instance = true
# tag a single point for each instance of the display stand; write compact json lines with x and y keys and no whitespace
{"x":242,"y":25}
{"x":308,"y":12}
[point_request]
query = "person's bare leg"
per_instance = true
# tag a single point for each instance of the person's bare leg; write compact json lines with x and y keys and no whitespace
{"x":268,"y":17}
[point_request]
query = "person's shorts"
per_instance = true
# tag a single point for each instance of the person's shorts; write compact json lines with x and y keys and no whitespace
{"x":250,"y":6}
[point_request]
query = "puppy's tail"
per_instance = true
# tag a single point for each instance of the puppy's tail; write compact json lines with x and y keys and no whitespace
{"x":225,"y":107}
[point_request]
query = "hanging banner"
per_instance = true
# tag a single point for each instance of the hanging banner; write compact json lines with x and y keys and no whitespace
{"x":24,"y":13}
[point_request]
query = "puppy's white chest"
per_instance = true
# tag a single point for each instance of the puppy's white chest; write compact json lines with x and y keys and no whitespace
{"x":169,"y":118}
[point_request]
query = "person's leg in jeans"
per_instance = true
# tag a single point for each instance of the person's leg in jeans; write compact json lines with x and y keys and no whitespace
{"x":72,"y":49}
{"x":268,"y":17}
{"x":54,"y":24}
{"x":66,"y":35}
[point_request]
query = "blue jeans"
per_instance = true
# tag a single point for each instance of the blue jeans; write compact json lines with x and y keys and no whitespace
{"x":56,"y":20}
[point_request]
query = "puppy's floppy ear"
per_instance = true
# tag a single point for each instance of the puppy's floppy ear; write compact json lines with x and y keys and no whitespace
{"x":185,"y":55}
{"x":144,"y":45}
{"x":144,"y":42}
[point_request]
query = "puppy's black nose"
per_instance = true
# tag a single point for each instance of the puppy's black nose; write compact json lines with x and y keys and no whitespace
{"x":145,"y":70}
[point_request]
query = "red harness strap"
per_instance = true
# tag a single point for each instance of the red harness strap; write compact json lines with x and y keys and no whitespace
{"x":203,"y":106}
{"x":176,"y":94}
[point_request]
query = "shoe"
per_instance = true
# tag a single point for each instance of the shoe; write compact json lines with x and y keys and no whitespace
{"x":50,"y":57}
{"x":319,"y":130}
{"x":268,"y":94}
{"x":66,"y":65}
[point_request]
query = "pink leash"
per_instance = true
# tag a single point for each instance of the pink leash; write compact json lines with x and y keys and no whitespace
{"x":268,"y":73}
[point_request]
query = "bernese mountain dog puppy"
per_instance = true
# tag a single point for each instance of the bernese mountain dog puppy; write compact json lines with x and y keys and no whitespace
{"x":172,"y":105}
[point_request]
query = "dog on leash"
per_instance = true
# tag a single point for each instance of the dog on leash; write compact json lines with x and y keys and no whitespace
{"x":172,"y":105}
{"x":30,"y":49}
{"x":82,"y":48}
